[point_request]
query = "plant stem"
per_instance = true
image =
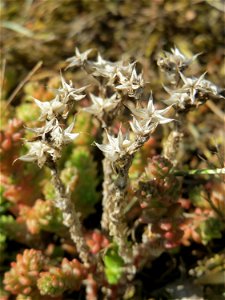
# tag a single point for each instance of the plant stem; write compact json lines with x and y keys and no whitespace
{"x":200,"y":172}
{"x":117,"y":202}
{"x":117,"y":223}
{"x":70,"y":216}
{"x":107,"y":193}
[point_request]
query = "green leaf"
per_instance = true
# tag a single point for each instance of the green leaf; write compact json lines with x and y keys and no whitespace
{"x":113,"y":265}
{"x":198,"y":197}
{"x":210,"y":229}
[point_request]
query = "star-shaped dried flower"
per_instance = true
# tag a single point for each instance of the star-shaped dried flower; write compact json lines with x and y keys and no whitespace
{"x":51,"y":108}
{"x":180,"y":59}
{"x":56,"y":135}
{"x":39,"y":152}
{"x":178,"y":99}
{"x":175,"y":61}
{"x":192,"y":86}
{"x":52,"y":138}
{"x":130,"y":84}
{"x":150,"y":113}
{"x":60,"y":136}
{"x":108,"y":65}
{"x":78,"y":59}
{"x":100,"y":105}
{"x":42,"y":131}
{"x":109,"y":71}
{"x":142,"y":127}
{"x":116,"y":147}
{"x":67,"y":91}
{"x":188,"y":93}
{"x":104,"y":69}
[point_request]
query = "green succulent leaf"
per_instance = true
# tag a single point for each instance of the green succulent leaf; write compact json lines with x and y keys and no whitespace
{"x":113,"y":265}
{"x":210,"y":229}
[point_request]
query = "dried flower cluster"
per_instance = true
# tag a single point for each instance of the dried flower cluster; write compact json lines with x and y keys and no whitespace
{"x":53,"y":135}
{"x":46,"y":149}
{"x":127,"y":84}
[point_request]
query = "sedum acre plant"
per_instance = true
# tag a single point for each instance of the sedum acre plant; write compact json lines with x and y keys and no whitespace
{"x":144,"y":213}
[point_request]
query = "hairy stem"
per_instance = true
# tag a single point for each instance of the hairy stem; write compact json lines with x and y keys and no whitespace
{"x":117,"y":201}
{"x":107,"y":193}
{"x":116,"y":207}
{"x":70,"y":217}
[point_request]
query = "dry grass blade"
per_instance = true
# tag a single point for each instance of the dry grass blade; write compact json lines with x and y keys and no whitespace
{"x":21,"y":84}
{"x":2,"y":76}
{"x":216,"y":110}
